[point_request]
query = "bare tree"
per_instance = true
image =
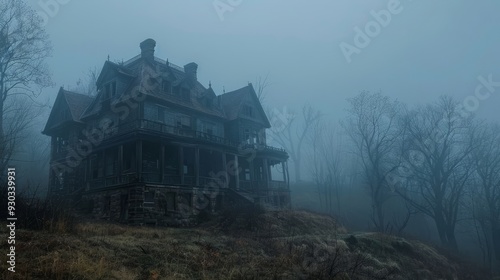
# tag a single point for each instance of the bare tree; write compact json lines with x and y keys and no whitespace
{"x":327,"y":167}
{"x":20,"y":117}
{"x":486,"y":204}
{"x":292,"y":131}
{"x":436,"y":153}
{"x":372,"y":126}
{"x":24,"y":46}
{"x":262,"y":83}
{"x":88,"y":85}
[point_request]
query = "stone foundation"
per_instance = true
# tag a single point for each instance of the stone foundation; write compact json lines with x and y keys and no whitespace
{"x":154,"y":205}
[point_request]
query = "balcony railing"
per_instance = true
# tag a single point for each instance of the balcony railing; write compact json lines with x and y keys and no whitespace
{"x":262,"y":185}
{"x":155,"y":178}
{"x":190,"y":133}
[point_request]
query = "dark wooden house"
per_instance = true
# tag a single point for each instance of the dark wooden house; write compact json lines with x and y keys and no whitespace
{"x":156,"y":146}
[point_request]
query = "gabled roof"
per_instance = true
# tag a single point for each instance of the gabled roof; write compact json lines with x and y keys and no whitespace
{"x":77,"y":103}
{"x":132,"y":73}
{"x":231,"y":103}
{"x":108,"y":65}
{"x":71,"y":102}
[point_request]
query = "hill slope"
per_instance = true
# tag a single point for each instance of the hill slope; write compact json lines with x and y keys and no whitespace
{"x":272,"y":245}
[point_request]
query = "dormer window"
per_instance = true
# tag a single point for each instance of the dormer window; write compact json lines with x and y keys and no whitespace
{"x":208,"y":102}
{"x":166,"y":87}
{"x":110,"y":89}
{"x":185,"y":94}
{"x":113,"y":89}
{"x":247,"y":111}
{"x":176,"y":90}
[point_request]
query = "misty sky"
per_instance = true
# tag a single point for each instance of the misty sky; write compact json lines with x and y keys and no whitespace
{"x":429,"y":48}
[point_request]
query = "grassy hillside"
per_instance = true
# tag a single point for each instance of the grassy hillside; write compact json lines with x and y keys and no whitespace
{"x":272,"y":245}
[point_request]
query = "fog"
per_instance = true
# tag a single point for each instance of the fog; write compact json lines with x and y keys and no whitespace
{"x":428,"y":49}
{"x":322,"y":71}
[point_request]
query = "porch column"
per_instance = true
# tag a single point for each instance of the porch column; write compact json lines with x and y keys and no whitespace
{"x":138,"y":148}
{"x":104,"y":168}
{"x":287,"y":177}
{"x":197,"y":165}
{"x":162,"y":163}
{"x":237,"y":175}
{"x":224,"y":165}
{"x":181,"y":163}
{"x":120,"y":162}
{"x":284,"y":170}
{"x":252,"y":171}
{"x":265,"y":170}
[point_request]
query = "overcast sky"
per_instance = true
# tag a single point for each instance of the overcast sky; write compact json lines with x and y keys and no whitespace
{"x":428,"y":48}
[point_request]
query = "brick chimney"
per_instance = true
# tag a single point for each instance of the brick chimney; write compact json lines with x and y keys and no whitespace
{"x":148,"y":49}
{"x":190,"y":69}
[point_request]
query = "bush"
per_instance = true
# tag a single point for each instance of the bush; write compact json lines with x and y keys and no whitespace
{"x":241,"y":216}
{"x":40,"y":214}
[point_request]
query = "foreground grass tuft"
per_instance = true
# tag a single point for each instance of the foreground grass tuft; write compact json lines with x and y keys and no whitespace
{"x":275,"y":245}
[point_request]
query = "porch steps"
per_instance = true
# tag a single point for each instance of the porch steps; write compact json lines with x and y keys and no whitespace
{"x":242,"y":195}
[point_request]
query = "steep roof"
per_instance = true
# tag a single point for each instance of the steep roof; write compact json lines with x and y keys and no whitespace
{"x":68,"y":107}
{"x":156,"y":71}
{"x":232,"y":101}
{"x":77,"y":103}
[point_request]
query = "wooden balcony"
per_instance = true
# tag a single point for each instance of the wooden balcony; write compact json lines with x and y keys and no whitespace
{"x":152,"y":126}
{"x":175,"y":180}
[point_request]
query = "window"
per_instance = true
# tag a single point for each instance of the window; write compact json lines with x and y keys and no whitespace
{"x":95,"y":167}
{"x":176,"y":90}
{"x":208,"y":128}
{"x":209,"y":131}
{"x":61,"y":144}
{"x":247,"y":110}
{"x":208,"y":102}
{"x":129,"y":157}
{"x":161,"y":114}
{"x":183,"y":121}
{"x":247,"y":135}
{"x":60,"y":179}
{"x":185,"y":94}
{"x":167,"y":87}
{"x":111,"y":167}
{"x":246,"y":174}
{"x":110,"y":90}
{"x":107,"y":91}
{"x":150,"y":112}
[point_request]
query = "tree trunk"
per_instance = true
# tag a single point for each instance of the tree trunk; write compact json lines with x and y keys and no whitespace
{"x":495,"y":232}
{"x":296,"y":166}
{"x":441,"y":229}
{"x":3,"y":146}
{"x":452,"y":241}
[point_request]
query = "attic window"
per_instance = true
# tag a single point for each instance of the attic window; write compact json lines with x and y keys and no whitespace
{"x":166,"y":87}
{"x":183,"y":121}
{"x":176,"y":90}
{"x":185,"y":93}
{"x":208,"y":102}
{"x":110,"y":89}
{"x":247,"y":111}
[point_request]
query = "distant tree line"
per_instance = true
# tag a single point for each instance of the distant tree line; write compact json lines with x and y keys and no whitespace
{"x":435,"y":159}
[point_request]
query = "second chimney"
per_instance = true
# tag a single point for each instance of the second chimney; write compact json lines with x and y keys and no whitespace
{"x":148,"y":49}
{"x":190,"y":69}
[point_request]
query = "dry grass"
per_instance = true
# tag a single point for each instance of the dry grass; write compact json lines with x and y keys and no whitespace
{"x":281,"y":245}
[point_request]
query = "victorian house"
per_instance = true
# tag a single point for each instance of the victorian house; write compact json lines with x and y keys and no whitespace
{"x":156,"y":146}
